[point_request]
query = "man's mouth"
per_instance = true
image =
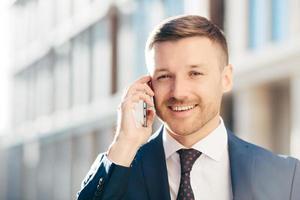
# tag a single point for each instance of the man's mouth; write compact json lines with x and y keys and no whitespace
{"x":182,"y":108}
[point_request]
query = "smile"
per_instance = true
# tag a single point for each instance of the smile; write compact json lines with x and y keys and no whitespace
{"x":182,"y":108}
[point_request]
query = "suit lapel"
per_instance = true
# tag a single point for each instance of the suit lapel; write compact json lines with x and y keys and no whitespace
{"x":241,"y":166}
{"x":155,"y":169}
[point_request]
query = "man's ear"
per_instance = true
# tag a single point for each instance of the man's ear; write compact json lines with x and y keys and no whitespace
{"x":227,"y":78}
{"x":150,"y":84}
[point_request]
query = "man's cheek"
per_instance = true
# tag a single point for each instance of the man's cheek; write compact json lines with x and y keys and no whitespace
{"x":154,"y":102}
{"x":159,"y":102}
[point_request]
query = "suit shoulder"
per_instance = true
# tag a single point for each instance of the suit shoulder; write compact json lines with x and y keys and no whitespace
{"x":264,"y":157}
{"x":155,"y":138}
{"x":152,"y":147}
{"x":263,"y":154}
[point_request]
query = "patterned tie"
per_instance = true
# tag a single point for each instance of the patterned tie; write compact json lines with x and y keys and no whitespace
{"x":187,"y":159}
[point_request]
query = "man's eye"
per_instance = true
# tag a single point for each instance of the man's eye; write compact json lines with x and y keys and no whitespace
{"x":163,"y":77}
{"x":196,"y":73}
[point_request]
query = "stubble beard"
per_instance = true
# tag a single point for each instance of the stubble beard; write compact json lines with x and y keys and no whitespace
{"x":192,"y":125}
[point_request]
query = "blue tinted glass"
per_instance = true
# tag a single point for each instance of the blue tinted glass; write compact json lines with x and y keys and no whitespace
{"x":173,"y":7}
{"x":279,"y":19}
{"x":140,"y":27}
{"x":259,"y":25}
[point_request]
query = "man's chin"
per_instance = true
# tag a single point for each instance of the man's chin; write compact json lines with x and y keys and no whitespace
{"x":182,"y":130}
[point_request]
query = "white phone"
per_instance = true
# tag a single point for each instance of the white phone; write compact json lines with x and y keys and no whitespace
{"x":144,"y":114}
{"x":141,"y":111}
{"x":141,"y":114}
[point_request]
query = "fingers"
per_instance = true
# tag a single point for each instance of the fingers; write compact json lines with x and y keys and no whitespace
{"x":142,"y":85}
{"x":131,"y":100}
{"x":143,"y":79}
{"x":141,"y":96}
{"x":140,"y":88}
{"x":138,"y":91}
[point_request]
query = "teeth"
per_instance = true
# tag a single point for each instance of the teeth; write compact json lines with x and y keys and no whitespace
{"x":182,"y":108}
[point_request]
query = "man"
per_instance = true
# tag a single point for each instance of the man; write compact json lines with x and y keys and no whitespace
{"x":192,"y":156}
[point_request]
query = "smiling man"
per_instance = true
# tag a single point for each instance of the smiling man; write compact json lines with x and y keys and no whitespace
{"x":193,"y":155}
{"x":189,"y":78}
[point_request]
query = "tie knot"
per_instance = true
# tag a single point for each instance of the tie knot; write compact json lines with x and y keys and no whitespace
{"x":187,"y":159}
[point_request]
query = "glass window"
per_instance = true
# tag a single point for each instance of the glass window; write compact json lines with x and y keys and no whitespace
{"x":62,"y":172}
{"x":62,"y":78}
{"x":29,"y":169}
{"x":279,"y":19}
{"x":143,"y":23}
{"x":44,"y":87}
{"x":173,"y":7}
{"x":101,"y":60}
{"x":259,"y":23}
{"x":31,"y":94}
{"x":81,"y":158}
{"x":20,"y":98}
{"x":45,"y":171}
{"x":14,"y":172}
{"x":81,"y":69}
{"x":126,"y":51}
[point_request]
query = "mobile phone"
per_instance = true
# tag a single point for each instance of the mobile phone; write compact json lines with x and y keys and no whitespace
{"x":144,"y":114}
{"x":145,"y":107}
{"x":141,"y":112}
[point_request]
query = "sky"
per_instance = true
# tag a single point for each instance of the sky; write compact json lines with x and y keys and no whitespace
{"x":4,"y":67}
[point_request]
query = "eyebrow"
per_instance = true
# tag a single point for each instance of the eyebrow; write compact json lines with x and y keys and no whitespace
{"x":202,"y":65}
{"x":161,"y":70}
{"x":192,"y":66}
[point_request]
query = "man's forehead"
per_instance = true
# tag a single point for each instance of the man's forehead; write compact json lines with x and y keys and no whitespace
{"x":154,"y":66}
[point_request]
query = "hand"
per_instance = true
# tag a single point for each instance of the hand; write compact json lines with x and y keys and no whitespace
{"x":130,"y":136}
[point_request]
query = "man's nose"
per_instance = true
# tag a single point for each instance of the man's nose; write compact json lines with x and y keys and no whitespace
{"x":179,"y":89}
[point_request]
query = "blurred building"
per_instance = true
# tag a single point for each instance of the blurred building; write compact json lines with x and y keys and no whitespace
{"x":73,"y":58}
{"x":265,"y":47}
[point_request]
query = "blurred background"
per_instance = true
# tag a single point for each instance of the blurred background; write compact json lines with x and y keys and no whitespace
{"x":65,"y":63}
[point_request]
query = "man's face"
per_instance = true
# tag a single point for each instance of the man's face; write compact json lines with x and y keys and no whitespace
{"x":188,"y":79}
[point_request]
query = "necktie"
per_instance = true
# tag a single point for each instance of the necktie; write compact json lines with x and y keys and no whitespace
{"x":187,"y":159}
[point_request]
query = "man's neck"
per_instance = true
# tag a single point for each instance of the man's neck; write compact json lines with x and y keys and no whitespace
{"x":191,"y":139}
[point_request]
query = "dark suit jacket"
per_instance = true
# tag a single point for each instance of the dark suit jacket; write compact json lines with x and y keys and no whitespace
{"x":256,"y":174}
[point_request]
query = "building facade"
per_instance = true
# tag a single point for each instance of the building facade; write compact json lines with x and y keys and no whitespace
{"x":73,"y":59}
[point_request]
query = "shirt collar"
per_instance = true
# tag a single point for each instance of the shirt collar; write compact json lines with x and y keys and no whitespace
{"x":213,"y":145}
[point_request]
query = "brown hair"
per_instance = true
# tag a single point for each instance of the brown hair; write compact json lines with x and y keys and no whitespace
{"x":184,"y":26}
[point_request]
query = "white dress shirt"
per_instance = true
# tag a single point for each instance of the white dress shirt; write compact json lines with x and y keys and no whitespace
{"x":210,"y":175}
